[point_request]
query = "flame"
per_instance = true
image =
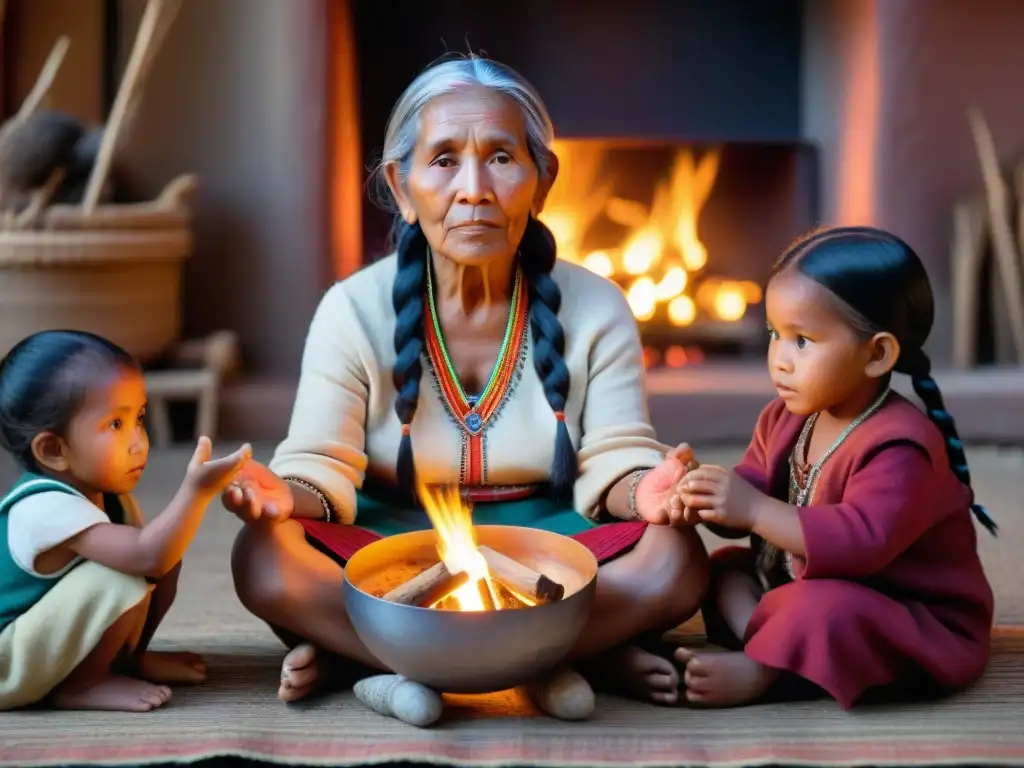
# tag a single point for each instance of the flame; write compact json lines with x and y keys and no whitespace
{"x":577,"y":199}
{"x":452,"y":518}
{"x":661,"y":254}
{"x":682,"y":311}
{"x":599,"y":263}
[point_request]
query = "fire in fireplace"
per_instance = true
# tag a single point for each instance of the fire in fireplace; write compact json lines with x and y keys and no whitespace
{"x":649,"y":241}
{"x":688,"y":231}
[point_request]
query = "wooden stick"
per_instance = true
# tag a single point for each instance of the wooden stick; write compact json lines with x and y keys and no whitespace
{"x":521,"y":580}
{"x":146,"y":40}
{"x":970,"y":238}
{"x":485,"y":594}
{"x":45,"y":80}
{"x":427,"y":587}
{"x":1007,"y":258}
{"x":40,"y":198}
{"x":508,"y":600}
{"x":1018,"y":188}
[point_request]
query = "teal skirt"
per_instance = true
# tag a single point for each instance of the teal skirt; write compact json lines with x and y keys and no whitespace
{"x":385,"y":518}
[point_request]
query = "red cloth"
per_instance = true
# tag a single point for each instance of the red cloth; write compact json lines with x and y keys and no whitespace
{"x":605,"y":541}
{"x":892,"y":586}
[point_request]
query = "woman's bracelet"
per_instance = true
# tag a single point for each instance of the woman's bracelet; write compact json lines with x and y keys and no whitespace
{"x":324,"y":502}
{"x":634,"y":480}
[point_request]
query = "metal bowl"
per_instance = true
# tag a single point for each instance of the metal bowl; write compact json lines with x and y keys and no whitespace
{"x":472,"y":651}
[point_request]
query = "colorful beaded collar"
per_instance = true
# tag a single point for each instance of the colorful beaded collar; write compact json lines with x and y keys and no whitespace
{"x":474,"y":411}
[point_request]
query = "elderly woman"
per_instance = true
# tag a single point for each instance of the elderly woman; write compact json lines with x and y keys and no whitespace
{"x":515,"y":375}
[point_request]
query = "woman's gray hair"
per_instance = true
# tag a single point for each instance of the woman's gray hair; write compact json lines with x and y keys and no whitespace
{"x":439,"y":79}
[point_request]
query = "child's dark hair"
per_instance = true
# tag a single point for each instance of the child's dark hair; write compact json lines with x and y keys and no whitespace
{"x":882,"y":285}
{"x":537,"y":258}
{"x":43,"y":382}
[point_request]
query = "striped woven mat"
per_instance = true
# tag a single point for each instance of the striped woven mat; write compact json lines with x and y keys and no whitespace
{"x":236,"y":714}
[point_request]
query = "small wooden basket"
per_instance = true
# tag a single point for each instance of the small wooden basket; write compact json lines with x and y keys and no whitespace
{"x":111,"y":269}
{"x":115,"y":272}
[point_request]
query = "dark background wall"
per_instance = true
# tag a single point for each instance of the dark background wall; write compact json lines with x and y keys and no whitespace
{"x":687,"y":70}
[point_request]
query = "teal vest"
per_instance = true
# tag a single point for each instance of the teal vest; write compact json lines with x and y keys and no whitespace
{"x":20,"y":590}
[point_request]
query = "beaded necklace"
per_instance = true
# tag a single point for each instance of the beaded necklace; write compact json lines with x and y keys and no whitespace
{"x":802,"y":482}
{"x":802,"y":485}
{"x":473,"y":412}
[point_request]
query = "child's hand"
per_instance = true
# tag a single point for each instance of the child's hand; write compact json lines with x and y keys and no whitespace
{"x":720,"y":496}
{"x":211,"y":477}
{"x":656,"y":488}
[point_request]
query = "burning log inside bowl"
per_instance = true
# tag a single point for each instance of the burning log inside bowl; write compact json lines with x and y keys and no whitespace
{"x":520,"y":580}
{"x":427,"y":587}
{"x":486,"y":598}
{"x":508,"y":600}
{"x":508,"y":585}
{"x":469,"y":577}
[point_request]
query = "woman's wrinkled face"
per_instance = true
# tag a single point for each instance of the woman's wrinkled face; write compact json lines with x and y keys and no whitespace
{"x":472,"y":183}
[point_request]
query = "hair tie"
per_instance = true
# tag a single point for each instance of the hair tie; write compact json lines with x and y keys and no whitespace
{"x":560,"y":415}
{"x":405,"y":430}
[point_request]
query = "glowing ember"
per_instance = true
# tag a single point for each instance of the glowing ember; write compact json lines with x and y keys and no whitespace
{"x":452,"y":518}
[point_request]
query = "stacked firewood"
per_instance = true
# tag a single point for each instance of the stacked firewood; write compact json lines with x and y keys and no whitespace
{"x":988,"y":230}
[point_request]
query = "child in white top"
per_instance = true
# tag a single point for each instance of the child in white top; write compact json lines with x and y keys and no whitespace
{"x":72,"y":409}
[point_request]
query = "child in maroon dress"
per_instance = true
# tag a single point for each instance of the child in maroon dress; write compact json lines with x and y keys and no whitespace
{"x":863,"y":572}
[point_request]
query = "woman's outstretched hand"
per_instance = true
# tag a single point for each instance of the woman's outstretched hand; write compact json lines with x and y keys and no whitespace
{"x":658,"y":486}
{"x":258,"y":494}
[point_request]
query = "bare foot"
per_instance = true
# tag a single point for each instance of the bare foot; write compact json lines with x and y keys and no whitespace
{"x":723,"y":679}
{"x":115,"y":693}
{"x":637,"y":673}
{"x":172,"y":667}
{"x":300,"y":673}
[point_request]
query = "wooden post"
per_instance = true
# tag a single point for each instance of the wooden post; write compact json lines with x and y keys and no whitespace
{"x":1004,"y":244}
{"x":970,"y":240}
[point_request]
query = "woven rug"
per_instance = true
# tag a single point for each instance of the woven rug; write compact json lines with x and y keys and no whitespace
{"x":236,"y":712}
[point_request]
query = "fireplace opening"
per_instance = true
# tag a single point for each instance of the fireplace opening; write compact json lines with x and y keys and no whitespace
{"x":688,"y":231}
{"x":649,"y":97}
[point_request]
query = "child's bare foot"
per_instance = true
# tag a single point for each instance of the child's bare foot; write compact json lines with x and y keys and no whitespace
{"x":172,"y":667}
{"x":637,"y":673}
{"x":115,"y":693}
{"x":300,"y":673}
{"x":722,"y":679}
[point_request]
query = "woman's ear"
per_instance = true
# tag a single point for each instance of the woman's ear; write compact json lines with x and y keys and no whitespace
{"x":885,"y":351}
{"x":50,"y":451}
{"x":398,"y":192}
{"x":544,"y":186}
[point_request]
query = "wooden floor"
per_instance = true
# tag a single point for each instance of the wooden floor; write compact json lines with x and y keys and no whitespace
{"x":235,"y":715}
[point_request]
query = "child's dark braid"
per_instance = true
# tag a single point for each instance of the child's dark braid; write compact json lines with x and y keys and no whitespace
{"x":407,"y":300}
{"x":537,"y":255}
{"x":919,"y":367}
